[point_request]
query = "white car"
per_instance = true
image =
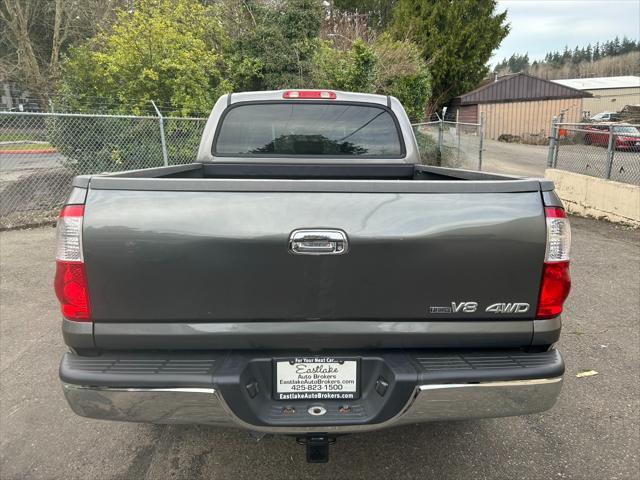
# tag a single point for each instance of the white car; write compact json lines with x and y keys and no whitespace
{"x":605,"y":117}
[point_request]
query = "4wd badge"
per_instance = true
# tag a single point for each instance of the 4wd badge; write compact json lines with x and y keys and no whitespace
{"x":472,"y":307}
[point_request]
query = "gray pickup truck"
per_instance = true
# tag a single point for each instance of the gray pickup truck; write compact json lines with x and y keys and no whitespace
{"x":308,"y":276}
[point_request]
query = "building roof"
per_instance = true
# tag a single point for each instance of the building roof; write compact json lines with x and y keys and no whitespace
{"x":517,"y":87}
{"x":628,"y":81}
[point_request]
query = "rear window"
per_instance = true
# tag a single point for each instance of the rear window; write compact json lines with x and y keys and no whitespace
{"x":282,"y":129}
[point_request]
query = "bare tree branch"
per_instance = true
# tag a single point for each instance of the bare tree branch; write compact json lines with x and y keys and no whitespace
{"x":35,"y":34}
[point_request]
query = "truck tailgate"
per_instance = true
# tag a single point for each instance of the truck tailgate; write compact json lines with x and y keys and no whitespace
{"x":173,"y":256}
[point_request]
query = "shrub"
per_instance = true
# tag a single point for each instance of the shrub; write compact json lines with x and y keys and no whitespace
{"x":402,"y":73}
{"x":386,"y":67}
{"x":105,"y":144}
{"x":427,"y":147}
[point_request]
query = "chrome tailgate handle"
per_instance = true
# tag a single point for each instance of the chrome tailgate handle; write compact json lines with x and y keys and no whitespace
{"x":318,"y":242}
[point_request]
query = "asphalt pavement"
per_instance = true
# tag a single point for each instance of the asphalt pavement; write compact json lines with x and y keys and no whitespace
{"x":514,"y":158}
{"x":592,"y":433}
{"x":10,"y":162}
{"x":531,"y":160}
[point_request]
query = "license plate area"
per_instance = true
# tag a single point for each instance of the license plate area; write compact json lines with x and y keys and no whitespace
{"x":316,"y":378}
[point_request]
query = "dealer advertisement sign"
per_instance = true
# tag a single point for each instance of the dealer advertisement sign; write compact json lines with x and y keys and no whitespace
{"x":316,"y":378}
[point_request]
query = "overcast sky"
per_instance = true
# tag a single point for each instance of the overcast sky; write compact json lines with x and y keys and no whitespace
{"x":545,"y":25}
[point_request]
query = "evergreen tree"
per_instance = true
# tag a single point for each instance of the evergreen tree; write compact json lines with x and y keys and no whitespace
{"x":627,"y":45}
{"x":501,"y":65}
{"x":616,"y":46}
{"x":282,"y":44}
{"x":456,"y":39}
{"x":576,"y":56}
{"x":569,"y":62}
{"x":607,"y":49}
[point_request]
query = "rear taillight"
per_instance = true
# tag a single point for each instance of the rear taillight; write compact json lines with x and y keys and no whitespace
{"x":556,"y":281}
{"x":71,"y":280}
{"x":310,"y":94}
{"x":558,"y":235}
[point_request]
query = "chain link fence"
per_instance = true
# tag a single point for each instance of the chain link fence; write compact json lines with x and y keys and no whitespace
{"x":610,"y":151}
{"x":428,"y":139}
{"x":461,"y":145}
{"x":450,"y":143}
{"x":41,"y":152}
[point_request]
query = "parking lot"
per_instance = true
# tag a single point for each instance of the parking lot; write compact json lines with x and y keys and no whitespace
{"x":592,"y":433}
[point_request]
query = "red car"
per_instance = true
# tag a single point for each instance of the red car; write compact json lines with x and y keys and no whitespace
{"x":627,"y":137}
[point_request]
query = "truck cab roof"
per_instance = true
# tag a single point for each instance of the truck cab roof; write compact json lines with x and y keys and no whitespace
{"x":340,"y":96}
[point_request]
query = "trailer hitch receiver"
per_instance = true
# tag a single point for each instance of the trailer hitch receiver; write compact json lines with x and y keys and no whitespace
{"x":317,"y":447}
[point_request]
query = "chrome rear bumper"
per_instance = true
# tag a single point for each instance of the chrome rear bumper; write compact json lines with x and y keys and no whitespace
{"x":207,"y":406}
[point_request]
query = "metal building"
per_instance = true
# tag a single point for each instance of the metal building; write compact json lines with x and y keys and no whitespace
{"x":609,"y":94}
{"x":519,"y":104}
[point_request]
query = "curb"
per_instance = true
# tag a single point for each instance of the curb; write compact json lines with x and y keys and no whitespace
{"x":20,"y":152}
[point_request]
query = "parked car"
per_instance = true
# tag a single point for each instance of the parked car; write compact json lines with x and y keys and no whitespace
{"x":307,"y":276}
{"x":626,"y":137}
{"x":605,"y":117}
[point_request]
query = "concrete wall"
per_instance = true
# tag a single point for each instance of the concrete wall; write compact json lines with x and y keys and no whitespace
{"x":527,"y":118}
{"x":611,"y":99}
{"x":596,"y":197}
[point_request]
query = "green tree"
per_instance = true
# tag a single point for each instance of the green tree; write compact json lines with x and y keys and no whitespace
{"x":501,"y":65}
{"x":576,"y":56}
{"x":456,"y":40}
{"x":169,"y":51}
{"x":518,"y":63}
{"x":282,"y":44}
{"x":616,"y":46}
{"x":402,"y":73}
{"x":386,"y":67}
{"x":627,"y":45}
{"x":350,"y":70}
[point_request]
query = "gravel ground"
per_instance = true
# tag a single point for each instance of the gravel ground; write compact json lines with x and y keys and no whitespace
{"x":592,"y":433}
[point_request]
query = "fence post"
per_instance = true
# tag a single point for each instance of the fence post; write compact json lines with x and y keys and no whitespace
{"x":481,"y":141}
{"x":610,"y":151}
{"x":552,"y":156}
{"x":440,"y":139}
{"x":458,"y":133}
{"x":165,"y":156}
{"x":557,"y":141}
